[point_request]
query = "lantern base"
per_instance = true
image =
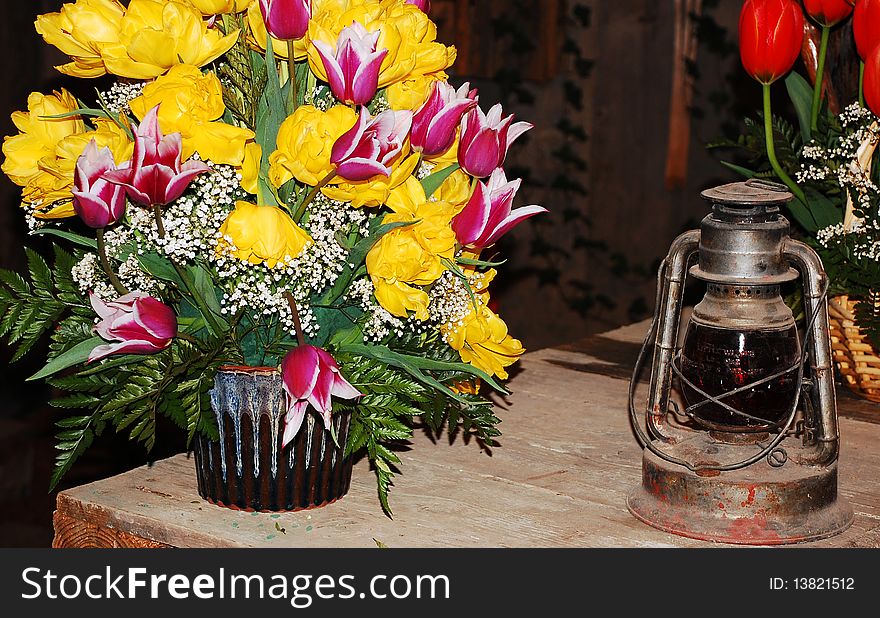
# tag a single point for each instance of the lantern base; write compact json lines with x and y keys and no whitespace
{"x":756,"y":505}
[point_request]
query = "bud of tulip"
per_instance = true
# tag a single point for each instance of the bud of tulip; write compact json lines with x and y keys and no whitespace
{"x":485,"y":139}
{"x":828,"y":12}
{"x":286,"y":20}
{"x":872,"y":80}
{"x":422,"y":5}
{"x":96,"y":200}
{"x":435,"y":123}
{"x":487,"y":216}
{"x":155,"y":175}
{"x":770,"y":35}
{"x":138,"y":323}
{"x":311,"y":376}
{"x":367,"y":149}
{"x":866,"y":26}
{"x":353,"y":67}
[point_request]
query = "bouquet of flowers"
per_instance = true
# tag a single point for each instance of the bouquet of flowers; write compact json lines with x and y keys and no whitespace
{"x":827,"y":160}
{"x":290,"y":184}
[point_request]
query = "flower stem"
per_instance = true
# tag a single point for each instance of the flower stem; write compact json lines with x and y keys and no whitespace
{"x":206,"y":313}
{"x":157,"y":214}
{"x":312,"y":195}
{"x":105,"y":264}
{"x":291,"y":68}
{"x":820,"y":76}
{"x":861,"y":84}
{"x":771,"y":149}
{"x":297,"y":325}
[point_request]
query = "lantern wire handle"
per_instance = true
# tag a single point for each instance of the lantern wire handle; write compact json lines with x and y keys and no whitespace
{"x":766,"y":451}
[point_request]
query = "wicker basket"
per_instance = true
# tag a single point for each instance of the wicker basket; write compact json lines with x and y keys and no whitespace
{"x":857,"y":360}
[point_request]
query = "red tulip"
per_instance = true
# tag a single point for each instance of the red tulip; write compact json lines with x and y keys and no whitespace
{"x":96,"y":200}
{"x":367,"y":149}
{"x":872,"y":80}
{"x":488,"y":215}
{"x":155,"y":176}
{"x":423,"y":5}
{"x":353,"y":67}
{"x":286,"y":20}
{"x":828,"y":12}
{"x":866,"y":26}
{"x":311,"y":376}
{"x":435,"y":123}
{"x":770,"y":35}
{"x":136,"y":322}
{"x":485,"y":139}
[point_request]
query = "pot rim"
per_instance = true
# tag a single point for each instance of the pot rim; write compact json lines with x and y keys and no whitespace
{"x":247,"y":369}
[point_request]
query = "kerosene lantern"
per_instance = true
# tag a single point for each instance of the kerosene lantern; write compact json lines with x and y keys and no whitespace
{"x":751,"y":455}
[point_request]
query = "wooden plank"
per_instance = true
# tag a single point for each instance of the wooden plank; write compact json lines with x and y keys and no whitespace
{"x":559,"y":479}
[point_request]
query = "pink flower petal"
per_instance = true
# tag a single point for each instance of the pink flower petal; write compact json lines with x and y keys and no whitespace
{"x":515,"y":218}
{"x":123,"y":347}
{"x":293,"y":420}
{"x":470,"y":223}
{"x":299,"y":371}
{"x":348,"y":141}
{"x":356,"y":170}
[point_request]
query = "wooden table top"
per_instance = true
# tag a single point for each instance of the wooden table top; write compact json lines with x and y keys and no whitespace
{"x":560,"y":478}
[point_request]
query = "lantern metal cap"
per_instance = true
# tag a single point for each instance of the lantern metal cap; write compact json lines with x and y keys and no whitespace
{"x":749,"y":194}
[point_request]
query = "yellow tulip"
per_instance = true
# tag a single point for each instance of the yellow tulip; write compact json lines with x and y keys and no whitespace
{"x":412,"y":93}
{"x":218,"y":7}
{"x":305,"y":140}
{"x":42,"y":157}
{"x":156,"y":35}
{"x":82,"y":30}
{"x":38,"y":135}
{"x":191,"y":103}
{"x":263,"y":234}
{"x":406,"y":32}
{"x":411,"y":256}
{"x":455,"y":190}
{"x":483,"y":341}
{"x":250,"y":168}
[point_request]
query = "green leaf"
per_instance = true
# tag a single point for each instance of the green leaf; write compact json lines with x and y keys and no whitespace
{"x":271,"y":112}
{"x":83,"y":241}
{"x":478,"y":263}
{"x":801,"y":94}
{"x":432,"y":183}
{"x":333,"y":320}
{"x":414,"y":365}
{"x":739,"y":169}
{"x":75,"y":355}
{"x":203,"y":285}
{"x":159,"y":267}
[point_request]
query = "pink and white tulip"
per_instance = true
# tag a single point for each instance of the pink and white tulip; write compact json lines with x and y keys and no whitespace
{"x":286,"y":20}
{"x":367,"y":149}
{"x":311,"y":376}
{"x":137,"y":324}
{"x":485,"y":139}
{"x":422,"y":5}
{"x":96,"y":200}
{"x":435,"y":123}
{"x":353,"y":67}
{"x":488,"y":216}
{"x":154,"y":176}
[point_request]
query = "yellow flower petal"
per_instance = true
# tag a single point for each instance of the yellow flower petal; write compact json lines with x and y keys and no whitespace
{"x":263,"y":234}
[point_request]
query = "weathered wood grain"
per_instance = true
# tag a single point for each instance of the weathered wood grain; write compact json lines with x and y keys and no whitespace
{"x":560,"y":477}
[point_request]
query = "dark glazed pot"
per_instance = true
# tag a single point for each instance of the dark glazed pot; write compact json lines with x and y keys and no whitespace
{"x":247,"y":469}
